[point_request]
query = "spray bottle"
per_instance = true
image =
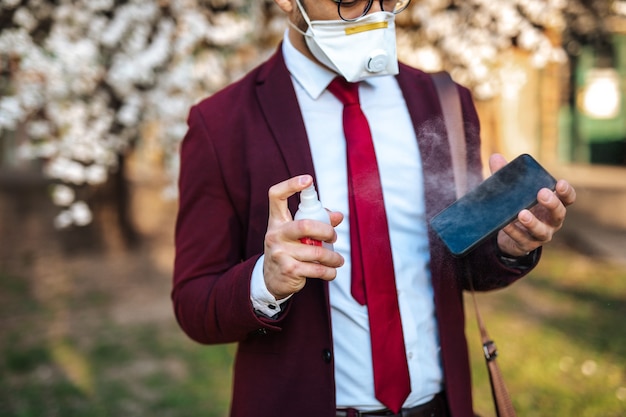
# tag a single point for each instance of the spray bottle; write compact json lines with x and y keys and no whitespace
{"x":311,"y":208}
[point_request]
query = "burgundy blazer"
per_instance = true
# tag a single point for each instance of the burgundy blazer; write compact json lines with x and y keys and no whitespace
{"x":240,"y":142}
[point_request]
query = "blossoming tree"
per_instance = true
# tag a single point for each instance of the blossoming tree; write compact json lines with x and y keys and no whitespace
{"x":84,"y":78}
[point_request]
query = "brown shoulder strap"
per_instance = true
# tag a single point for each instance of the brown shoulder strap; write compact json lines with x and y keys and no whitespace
{"x":453,"y":118}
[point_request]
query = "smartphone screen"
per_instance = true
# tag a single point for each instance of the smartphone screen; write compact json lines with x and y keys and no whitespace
{"x":492,"y":205}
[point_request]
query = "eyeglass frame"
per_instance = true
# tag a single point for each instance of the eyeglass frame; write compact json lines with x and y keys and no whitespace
{"x":366,"y":10}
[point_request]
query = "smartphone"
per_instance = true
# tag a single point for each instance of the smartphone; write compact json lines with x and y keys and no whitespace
{"x":492,"y":205}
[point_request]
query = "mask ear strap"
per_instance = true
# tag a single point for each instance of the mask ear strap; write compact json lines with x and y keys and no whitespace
{"x":296,"y":28}
{"x":304,"y":15}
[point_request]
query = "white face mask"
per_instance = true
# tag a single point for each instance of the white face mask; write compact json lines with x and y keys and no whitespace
{"x":363,"y":48}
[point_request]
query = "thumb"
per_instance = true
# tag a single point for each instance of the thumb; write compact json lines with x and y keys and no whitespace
{"x":279,"y":194}
{"x":496,"y":161}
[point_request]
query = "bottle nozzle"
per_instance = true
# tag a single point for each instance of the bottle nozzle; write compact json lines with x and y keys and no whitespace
{"x":308,"y":197}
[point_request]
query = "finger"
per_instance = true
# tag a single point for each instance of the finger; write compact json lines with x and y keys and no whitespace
{"x":336,"y":217}
{"x":533,"y":229}
{"x":523,"y":235}
{"x":529,"y":231}
{"x":288,"y":268}
{"x":317,"y":254}
{"x":511,"y":242}
{"x":496,"y":161}
{"x":286,"y":246}
{"x":566,"y":192}
{"x":294,"y":277}
{"x":313,"y":229}
{"x":313,"y":270}
{"x":279,"y":194}
{"x":550,"y":209}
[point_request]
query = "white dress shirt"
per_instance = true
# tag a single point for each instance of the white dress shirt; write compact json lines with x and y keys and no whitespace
{"x":401,"y":174}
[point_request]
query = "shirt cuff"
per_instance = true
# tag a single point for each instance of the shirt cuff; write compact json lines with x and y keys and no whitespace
{"x":263,"y":302}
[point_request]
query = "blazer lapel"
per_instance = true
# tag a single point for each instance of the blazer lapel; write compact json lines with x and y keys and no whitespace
{"x":279,"y":104}
{"x":423,"y":104}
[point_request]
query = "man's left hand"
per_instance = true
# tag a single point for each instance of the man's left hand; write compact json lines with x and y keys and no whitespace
{"x":536,"y":226}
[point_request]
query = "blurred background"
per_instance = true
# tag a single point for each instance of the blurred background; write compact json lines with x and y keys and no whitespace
{"x":94,"y":96}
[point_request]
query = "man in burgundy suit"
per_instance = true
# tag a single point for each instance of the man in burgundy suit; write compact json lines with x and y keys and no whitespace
{"x":241,"y":273}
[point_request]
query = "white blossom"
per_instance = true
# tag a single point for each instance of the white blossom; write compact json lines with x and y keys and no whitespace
{"x":471,"y":36}
{"x":66,"y":170}
{"x":39,"y":129}
{"x":95,"y":174}
{"x":81,"y":214}
{"x":99,"y":71}
{"x":10,"y":4}
{"x":99,"y":5}
{"x":62,"y":195}
{"x":10,"y":112}
{"x":24,"y":18}
{"x":63,"y":220}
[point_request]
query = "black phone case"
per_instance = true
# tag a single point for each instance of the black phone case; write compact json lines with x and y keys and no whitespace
{"x":492,"y":205}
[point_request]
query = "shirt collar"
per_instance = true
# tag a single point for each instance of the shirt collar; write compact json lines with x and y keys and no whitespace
{"x":312,"y":77}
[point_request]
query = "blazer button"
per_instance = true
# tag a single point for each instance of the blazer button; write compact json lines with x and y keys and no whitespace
{"x":327,"y":355}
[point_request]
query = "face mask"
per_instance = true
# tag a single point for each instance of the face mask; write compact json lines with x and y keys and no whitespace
{"x":357,"y":50}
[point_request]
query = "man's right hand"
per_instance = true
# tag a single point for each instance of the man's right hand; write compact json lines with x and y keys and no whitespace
{"x":288,"y":262}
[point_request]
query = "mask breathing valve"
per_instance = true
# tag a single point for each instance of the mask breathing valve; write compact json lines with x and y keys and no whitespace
{"x":377,"y":60}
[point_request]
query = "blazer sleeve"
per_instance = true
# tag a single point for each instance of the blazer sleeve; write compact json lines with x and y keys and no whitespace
{"x":211,"y":289}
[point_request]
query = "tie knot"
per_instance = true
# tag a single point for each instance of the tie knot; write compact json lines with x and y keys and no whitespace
{"x":346,"y":92}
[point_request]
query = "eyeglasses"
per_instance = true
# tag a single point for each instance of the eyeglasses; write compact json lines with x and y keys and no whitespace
{"x":350,"y":10}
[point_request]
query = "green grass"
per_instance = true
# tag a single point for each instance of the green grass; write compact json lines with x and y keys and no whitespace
{"x":65,"y":357}
{"x":560,"y":333}
{"x":145,"y":370}
{"x":561,"y":336}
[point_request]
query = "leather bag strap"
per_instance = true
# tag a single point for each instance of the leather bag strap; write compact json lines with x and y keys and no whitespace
{"x":453,"y":119}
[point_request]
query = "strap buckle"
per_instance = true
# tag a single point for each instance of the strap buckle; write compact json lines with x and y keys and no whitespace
{"x":490,"y":350}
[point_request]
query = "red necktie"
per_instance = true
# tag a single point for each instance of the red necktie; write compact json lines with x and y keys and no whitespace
{"x":373,"y":281}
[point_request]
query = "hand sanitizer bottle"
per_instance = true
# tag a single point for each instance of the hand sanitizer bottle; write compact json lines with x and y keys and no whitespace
{"x":311,"y":208}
